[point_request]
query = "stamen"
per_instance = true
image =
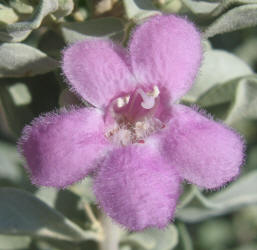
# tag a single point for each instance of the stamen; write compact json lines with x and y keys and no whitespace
{"x":134,"y":116}
{"x":122,"y":101}
{"x":127,"y":99}
{"x":148,"y":100}
{"x":155,"y":92}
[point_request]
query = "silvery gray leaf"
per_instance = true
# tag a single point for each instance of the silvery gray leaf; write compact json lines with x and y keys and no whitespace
{"x":219,"y":94}
{"x":18,"y":60}
{"x":154,"y":239}
{"x":10,"y":164}
{"x":21,"y":6}
{"x":247,"y":51}
{"x":139,"y":9}
{"x":17,"y":32}
{"x":241,"y":93}
{"x":218,"y":67}
{"x":200,"y":7}
{"x":64,"y":9}
{"x":21,"y":213}
{"x":47,"y":195}
{"x":7,"y":15}
{"x":241,"y":193}
{"x":8,"y":242}
{"x":224,"y":5}
{"x":245,"y":101}
{"x":107,"y":27}
{"x":234,"y":19}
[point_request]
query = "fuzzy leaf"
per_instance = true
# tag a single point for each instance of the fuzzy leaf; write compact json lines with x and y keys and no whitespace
{"x":235,"y":103}
{"x":218,"y":67}
{"x":154,"y":239}
{"x":107,"y":27}
{"x":17,"y":32}
{"x":23,"y":214}
{"x":16,"y":115}
{"x":139,"y":9}
{"x":247,"y":51}
{"x":22,"y":6}
{"x":58,"y":199}
{"x":239,"y":194}
{"x":210,"y":9}
{"x":7,"y":15}
{"x":241,"y":93}
{"x":219,"y":94}
{"x":19,"y":60}
{"x":245,"y":101}
{"x":10,"y":168}
{"x":20,"y":94}
{"x":200,"y":7}
{"x":64,"y":9}
{"x":14,"y":242}
{"x":234,"y":19}
{"x":223,"y":5}
{"x":48,"y":195}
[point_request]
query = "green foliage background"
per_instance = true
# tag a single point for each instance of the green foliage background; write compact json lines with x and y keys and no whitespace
{"x":32,"y":36}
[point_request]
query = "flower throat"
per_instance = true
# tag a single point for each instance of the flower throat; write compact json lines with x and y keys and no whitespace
{"x":134,"y":117}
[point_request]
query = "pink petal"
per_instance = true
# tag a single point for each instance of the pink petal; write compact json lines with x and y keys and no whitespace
{"x":61,"y":149}
{"x":137,"y":188}
{"x":97,"y":71}
{"x":166,"y":51}
{"x":205,"y":153}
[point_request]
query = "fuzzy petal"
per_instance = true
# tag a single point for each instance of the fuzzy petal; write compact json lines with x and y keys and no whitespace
{"x":205,"y":153}
{"x":137,"y":188}
{"x":61,"y":149}
{"x":97,"y":71}
{"x":166,"y":51}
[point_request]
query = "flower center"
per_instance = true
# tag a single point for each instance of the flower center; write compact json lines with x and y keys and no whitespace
{"x":134,"y":117}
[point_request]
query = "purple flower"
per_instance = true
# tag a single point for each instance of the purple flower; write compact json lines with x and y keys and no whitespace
{"x":137,"y":142}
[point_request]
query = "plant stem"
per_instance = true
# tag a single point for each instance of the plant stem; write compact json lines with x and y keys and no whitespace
{"x":188,"y":197}
{"x":96,"y":225}
{"x":112,"y":234}
{"x":185,"y":237}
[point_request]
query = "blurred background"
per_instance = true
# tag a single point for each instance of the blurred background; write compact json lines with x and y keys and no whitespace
{"x":32,"y":36}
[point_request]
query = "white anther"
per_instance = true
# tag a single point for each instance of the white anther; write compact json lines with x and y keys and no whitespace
{"x":120,"y":102}
{"x":148,"y":101}
{"x":155,"y":92}
{"x":127,"y":99}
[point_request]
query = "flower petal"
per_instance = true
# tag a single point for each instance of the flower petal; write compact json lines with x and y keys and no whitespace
{"x":63,"y":148}
{"x":137,"y":188}
{"x":97,"y":71}
{"x":204,"y":152}
{"x":166,"y":51}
